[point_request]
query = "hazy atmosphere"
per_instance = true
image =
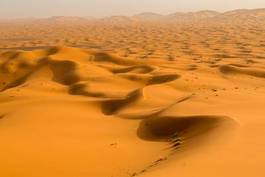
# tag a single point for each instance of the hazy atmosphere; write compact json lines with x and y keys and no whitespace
{"x":139,"y":88}
{"x":99,"y":8}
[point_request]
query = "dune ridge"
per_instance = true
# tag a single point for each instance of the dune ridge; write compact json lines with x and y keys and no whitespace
{"x":97,"y":78}
{"x":133,"y":96}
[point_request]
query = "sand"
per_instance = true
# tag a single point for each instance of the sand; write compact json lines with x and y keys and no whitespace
{"x":133,"y":96}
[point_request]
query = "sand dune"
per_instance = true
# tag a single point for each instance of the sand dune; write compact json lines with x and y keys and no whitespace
{"x":132,"y":98}
{"x":228,"y":69}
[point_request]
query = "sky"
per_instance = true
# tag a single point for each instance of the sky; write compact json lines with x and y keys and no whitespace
{"x":101,"y":8}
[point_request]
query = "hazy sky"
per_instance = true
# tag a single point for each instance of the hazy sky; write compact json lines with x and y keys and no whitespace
{"x":99,"y":8}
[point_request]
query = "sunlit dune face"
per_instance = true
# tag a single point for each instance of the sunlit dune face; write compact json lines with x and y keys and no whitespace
{"x":146,"y":95}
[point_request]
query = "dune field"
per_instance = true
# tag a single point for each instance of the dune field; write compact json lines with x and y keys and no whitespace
{"x":181,"y":95}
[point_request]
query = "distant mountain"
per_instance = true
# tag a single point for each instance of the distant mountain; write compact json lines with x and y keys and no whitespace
{"x":64,"y":19}
{"x":241,"y":16}
{"x":176,"y":17}
{"x":237,"y":16}
{"x":245,"y":13}
{"x":148,"y":16}
{"x":117,"y":20}
{"x":192,"y":16}
{"x":18,"y":20}
{"x":205,"y":14}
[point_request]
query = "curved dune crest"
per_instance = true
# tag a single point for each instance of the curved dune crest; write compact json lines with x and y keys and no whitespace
{"x":99,"y":91}
{"x":160,"y":79}
{"x":231,"y":69}
{"x":141,"y":69}
{"x":110,"y":107}
{"x":151,"y":97}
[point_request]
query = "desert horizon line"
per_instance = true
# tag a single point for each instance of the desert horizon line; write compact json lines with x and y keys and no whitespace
{"x":136,"y":14}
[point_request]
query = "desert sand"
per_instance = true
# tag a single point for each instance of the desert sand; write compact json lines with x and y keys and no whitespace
{"x":181,"y":95}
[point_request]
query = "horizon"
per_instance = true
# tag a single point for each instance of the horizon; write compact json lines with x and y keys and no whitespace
{"x":54,"y":16}
{"x":100,"y":8}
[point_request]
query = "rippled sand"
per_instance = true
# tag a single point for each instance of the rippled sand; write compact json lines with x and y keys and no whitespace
{"x":122,"y":98}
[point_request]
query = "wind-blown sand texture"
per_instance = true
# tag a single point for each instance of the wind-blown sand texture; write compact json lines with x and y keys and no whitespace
{"x":148,"y":95}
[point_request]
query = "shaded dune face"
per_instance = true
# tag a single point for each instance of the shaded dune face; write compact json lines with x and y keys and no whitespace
{"x":2,"y":116}
{"x":65,"y":72}
{"x":239,"y":69}
{"x":124,"y":89}
{"x":179,"y":131}
{"x":162,"y":128}
{"x":133,"y":95}
{"x":110,"y":107}
{"x":135,"y":69}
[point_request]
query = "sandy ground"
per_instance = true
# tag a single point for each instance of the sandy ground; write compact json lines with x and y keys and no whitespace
{"x":133,"y":98}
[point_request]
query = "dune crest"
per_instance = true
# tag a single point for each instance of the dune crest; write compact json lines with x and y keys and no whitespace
{"x":149,"y":95}
{"x":112,"y":89}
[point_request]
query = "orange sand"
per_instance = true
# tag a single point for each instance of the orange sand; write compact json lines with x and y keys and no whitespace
{"x":148,"y":95}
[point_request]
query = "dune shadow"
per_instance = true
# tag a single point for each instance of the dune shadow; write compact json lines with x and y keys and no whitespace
{"x":161,"y":79}
{"x":232,"y":69}
{"x":166,"y":128}
{"x":2,"y":116}
{"x":64,"y":72}
{"x":17,"y":82}
{"x":112,"y":106}
{"x":141,"y":69}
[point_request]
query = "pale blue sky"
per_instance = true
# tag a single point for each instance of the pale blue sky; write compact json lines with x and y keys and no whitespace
{"x":99,"y":8}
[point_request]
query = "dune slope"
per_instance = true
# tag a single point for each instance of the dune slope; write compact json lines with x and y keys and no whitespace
{"x":79,"y":112}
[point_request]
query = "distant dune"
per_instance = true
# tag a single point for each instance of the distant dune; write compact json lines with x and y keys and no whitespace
{"x":149,"y":95}
{"x":149,"y":16}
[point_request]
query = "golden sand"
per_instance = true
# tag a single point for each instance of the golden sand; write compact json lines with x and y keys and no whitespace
{"x":124,"y":97}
